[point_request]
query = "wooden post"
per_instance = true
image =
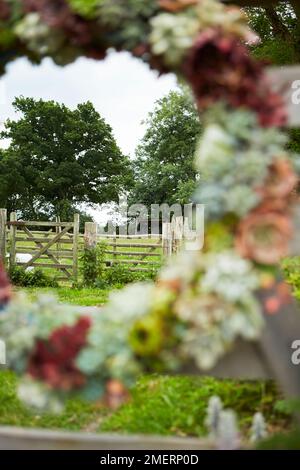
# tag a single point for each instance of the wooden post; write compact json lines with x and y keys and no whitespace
{"x":186,"y":228}
{"x":178,"y":233}
{"x":173,"y":244}
{"x":115,"y":248}
{"x":13,"y":233}
{"x":3,"y":220}
{"x":167,"y":239}
{"x":75,"y":246}
{"x":90,"y":235}
{"x":58,"y":230}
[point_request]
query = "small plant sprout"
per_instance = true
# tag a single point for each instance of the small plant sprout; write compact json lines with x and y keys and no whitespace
{"x":227,"y":434}
{"x":258,"y":428}
{"x":214,"y":408}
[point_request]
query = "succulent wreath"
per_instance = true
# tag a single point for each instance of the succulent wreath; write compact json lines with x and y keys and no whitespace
{"x":200,"y":303}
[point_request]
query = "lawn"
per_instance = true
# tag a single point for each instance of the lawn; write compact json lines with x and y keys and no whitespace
{"x":85,"y":297}
{"x":159,"y":405}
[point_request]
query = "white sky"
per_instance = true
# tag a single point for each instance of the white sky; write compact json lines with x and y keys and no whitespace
{"x":123,"y":89}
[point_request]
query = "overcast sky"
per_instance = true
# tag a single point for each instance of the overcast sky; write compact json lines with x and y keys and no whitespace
{"x":122,"y":89}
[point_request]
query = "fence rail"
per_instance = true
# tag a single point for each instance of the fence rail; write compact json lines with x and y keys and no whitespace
{"x":40,"y":246}
{"x":59,"y":245}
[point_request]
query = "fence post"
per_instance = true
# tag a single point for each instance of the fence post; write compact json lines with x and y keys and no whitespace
{"x":13,"y":233}
{"x":3,"y":220}
{"x":167,"y":239}
{"x":90,"y":235}
{"x":178,"y":233}
{"x":115,"y":247}
{"x":58,"y":230}
{"x":75,"y":246}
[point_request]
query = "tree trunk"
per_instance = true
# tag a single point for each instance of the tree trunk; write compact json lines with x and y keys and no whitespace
{"x":279,"y":28}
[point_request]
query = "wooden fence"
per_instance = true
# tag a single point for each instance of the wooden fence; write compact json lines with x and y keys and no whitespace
{"x":139,"y":252}
{"x":58,"y":245}
{"x":53,"y":246}
{"x":136,"y":252}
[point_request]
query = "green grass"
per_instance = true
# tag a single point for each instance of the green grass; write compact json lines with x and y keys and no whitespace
{"x":85,"y":297}
{"x":124,"y":256}
{"x":77,"y":415}
{"x":291,"y":271}
{"x":159,"y":405}
{"x":177,"y":405}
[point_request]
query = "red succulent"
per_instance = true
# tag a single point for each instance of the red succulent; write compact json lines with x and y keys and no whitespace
{"x":53,"y":360}
{"x":219,"y":67}
{"x":4,"y":10}
{"x":5,"y":288}
{"x":58,"y":14}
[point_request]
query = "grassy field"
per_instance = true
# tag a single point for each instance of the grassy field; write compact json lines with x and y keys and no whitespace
{"x":85,"y":297}
{"x":159,"y":405}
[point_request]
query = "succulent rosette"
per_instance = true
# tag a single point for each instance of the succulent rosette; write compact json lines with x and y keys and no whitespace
{"x":44,"y":339}
{"x":219,"y":67}
{"x":235,"y":155}
{"x":215,"y":307}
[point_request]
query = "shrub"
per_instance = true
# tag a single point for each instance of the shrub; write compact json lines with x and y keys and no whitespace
{"x":291,"y":271}
{"x":95,"y":274}
{"x":93,"y":264}
{"x":37,"y":278}
{"x":119,"y":275}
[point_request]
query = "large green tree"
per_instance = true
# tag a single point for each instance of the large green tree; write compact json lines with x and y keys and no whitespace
{"x":59,"y":158}
{"x":278,"y":26}
{"x":163,"y":167}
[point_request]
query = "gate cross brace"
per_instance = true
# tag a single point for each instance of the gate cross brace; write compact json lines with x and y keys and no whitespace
{"x":40,"y":245}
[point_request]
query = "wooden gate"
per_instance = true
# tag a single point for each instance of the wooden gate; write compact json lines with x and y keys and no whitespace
{"x":54,"y":247}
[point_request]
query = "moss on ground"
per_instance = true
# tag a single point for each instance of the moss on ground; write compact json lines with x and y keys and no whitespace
{"x":76,"y":416}
{"x":159,"y":405}
{"x":177,"y":405}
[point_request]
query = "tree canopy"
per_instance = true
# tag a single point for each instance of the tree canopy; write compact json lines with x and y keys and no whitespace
{"x":279,"y":29}
{"x":278,"y":26}
{"x":59,"y":158}
{"x":163,"y":168}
